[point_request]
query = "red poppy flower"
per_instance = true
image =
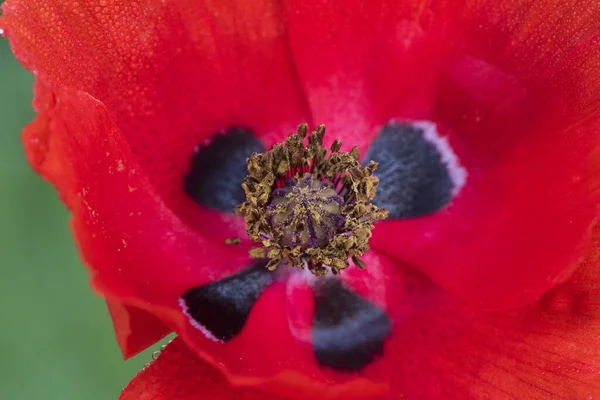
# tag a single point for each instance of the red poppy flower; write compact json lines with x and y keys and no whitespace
{"x":484,"y":118}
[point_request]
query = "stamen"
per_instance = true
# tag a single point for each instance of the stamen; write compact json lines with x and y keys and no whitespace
{"x":268,"y":237}
{"x":309,"y":210}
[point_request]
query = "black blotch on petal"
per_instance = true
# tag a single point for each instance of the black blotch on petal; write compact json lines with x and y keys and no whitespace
{"x":222,"y":307}
{"x":413,"y":180}
{"x":218,"y":169}
{"x":348,"y":330}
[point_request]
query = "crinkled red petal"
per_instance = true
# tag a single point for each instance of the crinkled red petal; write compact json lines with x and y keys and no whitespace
{"x":37,"y":139}
{"x":178,"y":374}
{"x":136,"y":329}
{"x":131,"y":243}
{"x":171,"y":73}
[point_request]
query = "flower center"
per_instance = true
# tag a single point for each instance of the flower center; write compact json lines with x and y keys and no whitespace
{"x":308,"y":210}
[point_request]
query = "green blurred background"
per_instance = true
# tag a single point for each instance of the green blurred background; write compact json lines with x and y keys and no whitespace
{"x":56,"y":338}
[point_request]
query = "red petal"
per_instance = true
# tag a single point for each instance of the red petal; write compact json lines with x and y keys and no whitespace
{"x":515,"y":85}
{"x":139,"y":252}
{"x":267,"y":355}
{"x":171,"y":73}
{"x":136,"y":329}
{"x":178,"y":374}
{"x":444,"y":349}
{"x":56,"y":168}
{"x":440,"y":348}
{"x":364,"y":62}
